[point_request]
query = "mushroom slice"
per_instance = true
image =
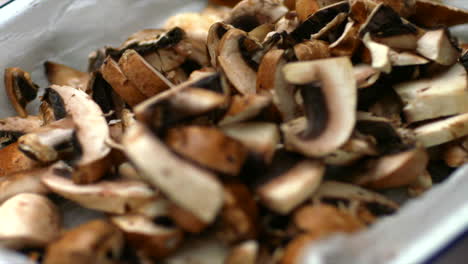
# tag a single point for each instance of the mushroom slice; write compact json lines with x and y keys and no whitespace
{"x":244,"y":253}
{"x":28,"y":220}
{"x":13,"y":160}
{"x":283,"y":193}
{"x":233,"y":59}
{"x":239,"y":217}
{"x":330,"y":98}
{"x":260,"y":138}
{"x":92,"y":133}
{"x":438,"y":46}
{"x":442,"y":131}
{"x":112,"y":73}
{"x":432,"y":14}
{"x":270,"y":78}
{"x":149,"y":238}
{"x":442,"y":95}
{"x":406,"y":59}
{"x":365,"y":75}
{"x":356,"y":148}
{"x":52,"y":106}
{"x":249,"y":14}
{"x":380,"y":54}
{"x":96,"y":59}
{"x":288,"y":23}
{"x":190,"y":187}
{"x":339,"y":191}
{"x":138,"y":71}
{"x":311,"y":50}
{"x":209,"y":147}
{"x":386,"y":26}
{"x":305,"y":8}
{"x":333,"y":30}
{"x":116,"y":197}
{"x":319,"y":20}
{"x":394,"y":170}
{"x":245,"y":107}
{"x":202,"y":249}
{"x":45,"y":143}
{"x":11,"y":128}
{"x":98,"y":242}
{"x":455,"y":155}
{"x":20,"y":89}
{"x":60,"y":74}
{"x":215,"y":34}
{"x":29,"y":181}
{"x":348,"y":42}
{"x":422,"y":183}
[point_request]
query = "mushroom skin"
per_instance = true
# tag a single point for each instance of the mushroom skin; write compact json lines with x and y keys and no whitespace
{"x":248,"y":14}
{"x":98,"y":242}
{"x":13,"y":160}
{"x":20,"y":89}
{"x":28,"y":220}
{"x":328,"y":125}
{"x":11,"y":128}
{"x":60,"y":74}
{"x":245,"y":107}
{"x":431,"y":14}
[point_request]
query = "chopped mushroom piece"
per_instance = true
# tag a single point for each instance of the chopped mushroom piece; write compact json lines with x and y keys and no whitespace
{"x":422,"y":183}
{"x":442,"y":95}
{"x":365,"y":75}
{"x":98,"y":242}
{"x":181,"y":182}
{"x":13,"y":160}
{"x":215,"y":34}
{"x":330,"y":98}
{"x":283,"y":193}
{"x":92,"y":133}
{"x":116,"y":197}
{"x":311,"y":50}
{"x":245,"y":107}
{"x":442,"y":131}
{"x":348,"y":42}
{"x":431,"y":14}
{"x":205,"y":249}
{"x":244,"y":253}
{"x":356,"y":148}
{"x":28,"y":220}
{"x":20,"y":89}
{"x":11,"y":128}
{"x":248,"y":14}
{"x":209,"y":147}
{"x":438,"y":46}
{"x":149,"y":239}
{"x":380,"y":55}
{"x":60,"y":74}
{"x":305,"y":8}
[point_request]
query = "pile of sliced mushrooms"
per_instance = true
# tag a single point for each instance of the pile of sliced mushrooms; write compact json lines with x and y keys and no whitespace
{"x":238,"y":135}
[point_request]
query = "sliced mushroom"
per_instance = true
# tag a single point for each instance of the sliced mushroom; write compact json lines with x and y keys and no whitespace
{"x":28,"y":220}
{"x":239,"y":217}
{"x":96,"y":59}
{"x":365,"y":75}
{"x":455,"y":155}
{"x":442,"y":131}
{"x":260,"y":138}
{"x":138,"y":71}
{"x":13,"y":160}
{"x":422,"y":183}
{"x":380,"y":54}
{"x":285,"y":192}
{"x":28,"y":181}
{"x":98,"y":242}
{"x":20,"y":89}
{"x":438,"y":46}
{"x":183,"y":183}
{"x":245,"y":107}
{"x":249,"y":14}
{"x":433,"y":14}
{"x":60,"y":74}
{"x":333,"y":30}
{"x":112,"y":73}
{"x":215,"y":34}
{"x":52,"y":107}
{"x":205,"y":249}
{"x":232,"y":59}
{"x":339,"y":191}
{"x":329,"y":102}
{"x":287,"y":23}
{"x":348,"y":42}
{"x":11,"y":128}
{"x":394,"y":170}
{"x":209,"y":147}
{"x":356,"y":148}
{"x":92,"y":133}
{"x":406,"y":58}
{"x":116,"y":197}
{"x":270,"y":78}
{"x":45,"y":143}
{"x":389,"y":107}
{"x":311,"y":50}
{"x":244,"y":253}
{"x":442,"y":95}
{"x":149,"y":238}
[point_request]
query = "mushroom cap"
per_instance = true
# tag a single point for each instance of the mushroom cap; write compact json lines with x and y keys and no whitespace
{"x":13,"y":160}
{"x":339,"y":91}
{"x":245,"y":107}
{"x":60,"y":74}
{"x":191,"y":188}
{"x":20,"y":89}
{"x":248,"y":14}
{"x":92,"y":133}
{"x":98,"y":242}
{"x":432,"y":14}
{"x":29,"y":220}
{"x":285,"y":192}
{"x":215,"y":34}
{"x":11,"y":128}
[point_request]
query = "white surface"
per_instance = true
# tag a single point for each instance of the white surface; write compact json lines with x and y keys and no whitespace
{"x":66,"y":31}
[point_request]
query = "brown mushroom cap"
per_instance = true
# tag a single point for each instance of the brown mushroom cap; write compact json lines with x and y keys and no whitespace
{"x":312,"y":50}
{"x":20,"y":89}
{"x":148,"y":238}
{"x":98,"y":242}
{"x":248,"y":14}
{"x":209,"y":147}
{"x":28,"y":220}
{"x":394,"y":170}
{"x":11,"y":128}
{"x":285,"y":192}
{"x":13,"y":160}
{"x":432,"y":14}
{"x":245,"y":107}
{"x":330,"y":122}
{"x":215,"y":34}
{"x":192,"y":188}
{"x":60,"y":74}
